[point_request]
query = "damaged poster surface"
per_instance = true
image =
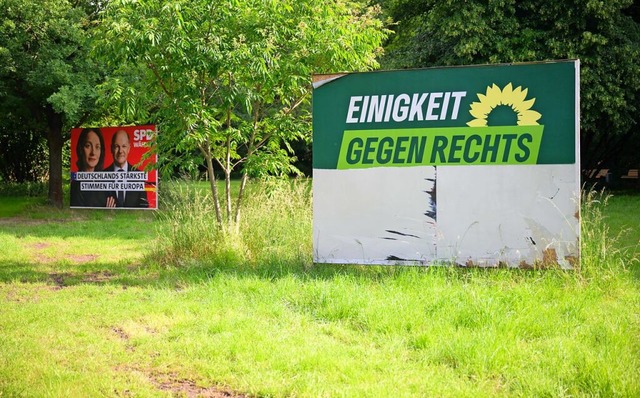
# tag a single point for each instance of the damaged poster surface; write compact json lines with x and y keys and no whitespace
{"x":476,"y":166}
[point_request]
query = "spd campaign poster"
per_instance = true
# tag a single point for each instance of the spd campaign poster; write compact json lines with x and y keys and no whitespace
{"x":111,"y":168}
{"x":473,"y":165}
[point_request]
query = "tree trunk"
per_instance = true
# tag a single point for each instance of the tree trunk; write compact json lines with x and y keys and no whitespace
{"x":243,"y":184}
{"x":54,"y":139}
{"x":214,"y":187}
{"x":227,"y":179}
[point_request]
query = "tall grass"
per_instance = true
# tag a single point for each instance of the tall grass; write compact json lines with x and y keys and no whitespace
{"x":275,"y":225}
{"x":601,"y":255}
{"x":276,"y":222}
{"x":188,"y":229}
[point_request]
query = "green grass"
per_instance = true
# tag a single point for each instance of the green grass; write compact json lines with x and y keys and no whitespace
{"x":110,"y":304}
{"x":13,"y":206}
{"x":623,"y":215}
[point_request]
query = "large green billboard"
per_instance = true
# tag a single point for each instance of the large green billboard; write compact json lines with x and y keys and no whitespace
{"x":507,"y":114}
{"x":507,"y":125}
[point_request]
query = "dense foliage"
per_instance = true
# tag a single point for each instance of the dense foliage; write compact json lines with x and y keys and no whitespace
{"x":47,"y":84}
{"x":231,"y":79}
{"x":604,"y":35}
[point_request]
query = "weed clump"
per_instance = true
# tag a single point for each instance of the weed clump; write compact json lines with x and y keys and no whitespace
{"x":275,"y":225}
{"x":600,"y":253}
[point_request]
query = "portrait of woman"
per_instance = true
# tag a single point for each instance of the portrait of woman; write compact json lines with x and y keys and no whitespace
{"x":90,"y":158}
{"x":90,"y":150}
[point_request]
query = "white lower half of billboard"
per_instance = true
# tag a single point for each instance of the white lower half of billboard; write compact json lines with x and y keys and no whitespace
{"x":468,"y":215}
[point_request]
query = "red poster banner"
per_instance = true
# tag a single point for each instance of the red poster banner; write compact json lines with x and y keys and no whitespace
{"x":111,"y":168}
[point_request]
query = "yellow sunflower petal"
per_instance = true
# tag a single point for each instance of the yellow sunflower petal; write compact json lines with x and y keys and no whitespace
{"x":479,"y":114}
{"x":507,"y":95}
{"x":528,"y":118}
{"x":479,"y":110}
{"x":525,"y":105}
{"x":519,"y":95}
{"x":493,"y":95}
{"x":493,"y":90}
{"x":477,"y":123}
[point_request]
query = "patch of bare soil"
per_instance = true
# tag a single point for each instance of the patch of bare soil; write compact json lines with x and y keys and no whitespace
{"x":33,"y":295}
{"x":98,"y":277}
{"x":59,"y":279}
{"x":40,"y":245}
{"x":38,"y":256}
{"x":181,"y":387}
{"x":35,"y":221}
{"x":35,"y":249}
{"x":82,"y":258}
{"x":188,"y":388}
{"x":124,"y":337}
{"x":120,"y":333}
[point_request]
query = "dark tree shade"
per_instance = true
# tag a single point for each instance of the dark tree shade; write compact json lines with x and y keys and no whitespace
{"x":46,"y":77}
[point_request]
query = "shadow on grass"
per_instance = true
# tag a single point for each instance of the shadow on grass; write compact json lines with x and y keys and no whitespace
{"x":61,"y":276}
{"x":146,"y":273}
{"x":149,"y":271}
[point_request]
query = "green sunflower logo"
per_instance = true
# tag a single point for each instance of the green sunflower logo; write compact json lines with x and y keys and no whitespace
{"x":504,"y":107}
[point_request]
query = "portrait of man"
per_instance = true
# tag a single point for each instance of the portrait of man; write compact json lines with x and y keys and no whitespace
{"x":120,"y":147}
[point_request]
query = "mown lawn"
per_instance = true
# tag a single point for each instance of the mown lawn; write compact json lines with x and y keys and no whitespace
{"x":91,"y":305}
